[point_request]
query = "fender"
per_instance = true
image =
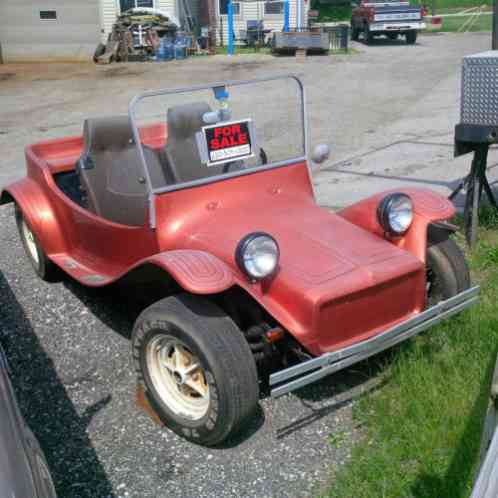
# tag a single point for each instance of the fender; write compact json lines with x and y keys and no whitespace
{"x":428,"y":207}
{"x":197,"y":272}
{"x":39,"y":213}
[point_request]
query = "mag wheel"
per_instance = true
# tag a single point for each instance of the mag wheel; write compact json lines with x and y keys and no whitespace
{"x":177,"y":376}
{"x":196,"y":368}
{"x":44,"y":268}
{"x":447,"y":271}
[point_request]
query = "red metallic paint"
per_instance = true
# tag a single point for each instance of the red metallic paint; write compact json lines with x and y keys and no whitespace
{"x":339,"y":280}
{"x":428,"y":207}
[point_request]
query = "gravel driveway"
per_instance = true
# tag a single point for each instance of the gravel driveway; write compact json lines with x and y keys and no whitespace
{"x":70,"y":354}
{"x":388,"y":111}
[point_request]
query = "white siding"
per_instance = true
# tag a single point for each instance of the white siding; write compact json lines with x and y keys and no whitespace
{"x":252,"y":11}
{"x":25,"y":37}
{"x":167,"y":5}
{"x":110,"y":10}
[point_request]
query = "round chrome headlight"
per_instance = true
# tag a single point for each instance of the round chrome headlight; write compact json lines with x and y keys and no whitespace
{"x":395,"y":213}
{"x":257,"y":255}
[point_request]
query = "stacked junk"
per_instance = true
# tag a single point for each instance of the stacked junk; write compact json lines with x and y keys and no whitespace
{"x":144,"y":34}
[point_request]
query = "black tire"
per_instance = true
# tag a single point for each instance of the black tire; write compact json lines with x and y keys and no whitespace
{"x":447,"y":270}
{"x":411,"y":37}
{"x":355,"y":32}
{"x":43,"y":266}
{"x":229,"y":369}
{"x":99,"y":51}
{"x":367,"y":35}
{"x":392,"y":36}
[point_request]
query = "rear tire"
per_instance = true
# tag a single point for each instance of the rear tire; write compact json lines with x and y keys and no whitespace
{"x":212,"y":402}
{"x":411,"y":37}
{"x":43,"y":266}
{"x":355,"y":32}
{"x":367,"y":35}
{"x":447,"y":271}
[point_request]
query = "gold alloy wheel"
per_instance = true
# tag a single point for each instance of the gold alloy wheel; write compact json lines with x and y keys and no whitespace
{"x":178,"y":377}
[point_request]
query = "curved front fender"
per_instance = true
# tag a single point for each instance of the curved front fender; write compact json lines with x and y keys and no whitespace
{"x":196,"y":271}
{"x":428,"y":208}
{"x":39,"y":213}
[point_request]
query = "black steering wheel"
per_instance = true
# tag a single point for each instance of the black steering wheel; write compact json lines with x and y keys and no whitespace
{"x":262,"y":157}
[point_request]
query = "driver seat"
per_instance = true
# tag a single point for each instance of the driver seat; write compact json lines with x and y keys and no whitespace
{"x":182,"y":152}
{"x":111,"y":172}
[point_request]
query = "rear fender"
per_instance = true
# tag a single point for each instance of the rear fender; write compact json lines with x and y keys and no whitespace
{"x":429,"y":207}
{"x":38,"y":212}
{"x":197,"y":272}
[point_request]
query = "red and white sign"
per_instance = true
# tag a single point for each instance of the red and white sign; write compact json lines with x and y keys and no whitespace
{"x":228,"y":142}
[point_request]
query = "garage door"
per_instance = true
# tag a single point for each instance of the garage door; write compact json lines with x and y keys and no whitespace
{"x":49,"y":30}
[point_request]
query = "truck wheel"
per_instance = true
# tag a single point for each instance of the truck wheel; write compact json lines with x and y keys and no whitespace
{"x":196,"y":368}
{"x":367,"y":35}
{"x":411,"y":37}
{"x":447,"y":271}
{"x":43,"y":267}
{"x":355,"y":32}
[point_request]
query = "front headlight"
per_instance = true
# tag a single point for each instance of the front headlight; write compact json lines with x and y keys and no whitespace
{"x":257,"y":255}
{"x":395,"y":213}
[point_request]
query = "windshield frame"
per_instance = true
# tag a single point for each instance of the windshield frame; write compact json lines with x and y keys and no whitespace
{"x":152,"y":192}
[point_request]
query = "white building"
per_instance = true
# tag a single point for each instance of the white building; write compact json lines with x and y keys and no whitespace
{"x":271,"y":12}
{"x":40,"y":30}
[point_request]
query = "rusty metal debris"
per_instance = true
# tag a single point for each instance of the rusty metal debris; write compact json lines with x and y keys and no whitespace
{"x":139,"y":35}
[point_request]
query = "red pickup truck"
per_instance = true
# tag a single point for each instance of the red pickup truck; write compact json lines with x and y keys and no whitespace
{"x":374,"y":18}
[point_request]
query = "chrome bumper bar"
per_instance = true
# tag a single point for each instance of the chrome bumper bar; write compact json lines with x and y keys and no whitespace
{"x":337,"y":360}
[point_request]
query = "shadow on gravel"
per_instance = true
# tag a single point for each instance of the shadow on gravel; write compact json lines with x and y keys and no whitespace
{"x":47,"y":408}
{"x":254,"y":424}
{"x":341,"y":389}
{"x":119,"y":305}
{"x":379,"y":42}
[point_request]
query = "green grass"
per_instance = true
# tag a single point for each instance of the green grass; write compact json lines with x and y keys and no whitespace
{"x":481,"y":23}
{"x":422,"y":428}
{"x":240,"y":50}
{"x":456,"y":4}
{"x":330,"y":12}
{"x":267,"y":51}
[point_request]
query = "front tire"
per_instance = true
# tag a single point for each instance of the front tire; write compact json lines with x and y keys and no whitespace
{"x":411,"y":37}
{"x":447,"y":271}
{"x":196,"y":368}
{"x":43,"y":266}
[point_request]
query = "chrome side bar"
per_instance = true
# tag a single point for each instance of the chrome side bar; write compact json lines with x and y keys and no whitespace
{"x":337,"y":360}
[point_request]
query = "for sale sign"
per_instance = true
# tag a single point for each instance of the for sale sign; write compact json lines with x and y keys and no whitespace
{"x":228,"y":142}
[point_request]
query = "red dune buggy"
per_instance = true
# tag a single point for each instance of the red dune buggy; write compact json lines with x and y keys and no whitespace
{"x":208,"y":189}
